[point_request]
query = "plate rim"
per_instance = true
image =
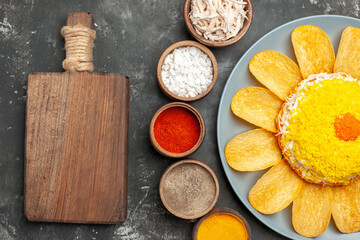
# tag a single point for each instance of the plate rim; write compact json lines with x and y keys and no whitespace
{"x":221,"y":151}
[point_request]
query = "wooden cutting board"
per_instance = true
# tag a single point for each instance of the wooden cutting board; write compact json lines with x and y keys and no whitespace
{"x":76,"y":145}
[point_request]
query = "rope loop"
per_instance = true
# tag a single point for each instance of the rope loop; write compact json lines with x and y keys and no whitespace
{"x":79,"y":43}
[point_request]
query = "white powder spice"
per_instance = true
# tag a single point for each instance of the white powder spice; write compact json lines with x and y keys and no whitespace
{"x":187,"y":72}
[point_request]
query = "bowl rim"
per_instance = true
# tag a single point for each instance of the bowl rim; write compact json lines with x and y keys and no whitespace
{"x":187,"y":43}
{"x":220,"y":210}
{"x":166,"y":153}
{"x":225,"y":43}
{"x":209,"y":170}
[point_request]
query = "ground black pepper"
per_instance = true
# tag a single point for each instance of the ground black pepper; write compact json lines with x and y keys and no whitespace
{"x":189,"y":189}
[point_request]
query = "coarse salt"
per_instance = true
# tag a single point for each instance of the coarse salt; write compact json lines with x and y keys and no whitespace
{"x":187,"y":72}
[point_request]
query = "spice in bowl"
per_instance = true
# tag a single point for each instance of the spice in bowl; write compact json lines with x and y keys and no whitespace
{"x":177,"y":130}
{"x":187,"y":71}
{"x":189,"y":189}
{"x":222,"y":223}
{"x":217,"y":20}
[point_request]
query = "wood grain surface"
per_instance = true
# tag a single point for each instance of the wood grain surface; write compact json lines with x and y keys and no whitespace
{"x":76,"y":147}
{"x":84,"y":18}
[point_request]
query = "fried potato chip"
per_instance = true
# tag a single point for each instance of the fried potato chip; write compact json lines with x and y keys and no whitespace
{"x":253,"y":150}
{"x":346,"y":208}
{"x":276,"y":189}
{"x":258,"y":106}
{"x":348,"y":55}
{"x":276,"y":71}
{"x":313,"y":49}
{"x":311,"y":211}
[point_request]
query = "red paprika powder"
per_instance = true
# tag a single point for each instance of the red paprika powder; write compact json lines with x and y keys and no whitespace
{"x":177,"y":129}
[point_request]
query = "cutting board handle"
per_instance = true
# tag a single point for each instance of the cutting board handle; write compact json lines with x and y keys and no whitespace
{"x":83,"y":18}
{"x":79,"y":40}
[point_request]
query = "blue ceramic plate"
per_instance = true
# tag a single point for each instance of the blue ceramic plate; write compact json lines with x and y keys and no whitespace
{"x":228,"y":126}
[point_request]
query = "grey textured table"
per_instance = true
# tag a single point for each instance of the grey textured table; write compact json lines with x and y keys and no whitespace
{"x":131,"y":35}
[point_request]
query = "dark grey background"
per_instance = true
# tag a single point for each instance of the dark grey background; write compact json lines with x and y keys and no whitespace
{"x":131,"y":36}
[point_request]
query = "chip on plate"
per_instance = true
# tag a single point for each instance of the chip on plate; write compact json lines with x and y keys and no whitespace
{"x":276,"y":71}
{"x":348,"y":55}
{"x":313,"y":49}
{"x":311,"y":211}
{"x":254,"y":150}
{"x":258,"y":106}
{"x":276,"y":189}
{"x":346,"y":208}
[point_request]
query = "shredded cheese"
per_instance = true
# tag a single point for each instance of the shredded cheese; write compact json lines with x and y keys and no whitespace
{"x":217,"y":20}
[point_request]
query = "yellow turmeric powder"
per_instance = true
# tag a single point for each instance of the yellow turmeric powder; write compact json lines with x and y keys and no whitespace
{"x":224,"y":226}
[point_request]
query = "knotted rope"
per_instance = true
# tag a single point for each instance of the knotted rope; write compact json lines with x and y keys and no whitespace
{"x":79,"y":42}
